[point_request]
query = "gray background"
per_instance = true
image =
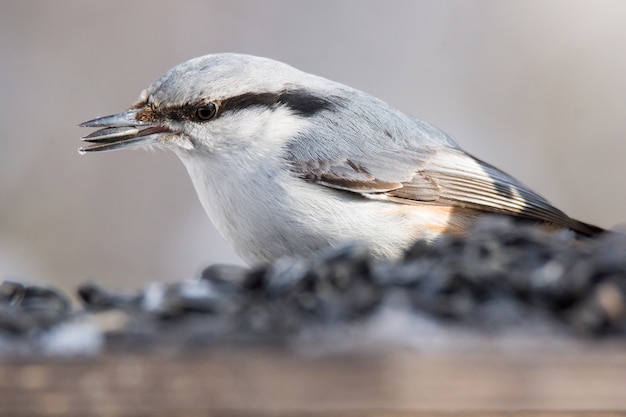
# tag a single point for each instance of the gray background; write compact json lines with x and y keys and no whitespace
{"x":534,"y":87}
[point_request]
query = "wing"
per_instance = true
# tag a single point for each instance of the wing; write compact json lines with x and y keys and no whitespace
{"x":446,"y":177}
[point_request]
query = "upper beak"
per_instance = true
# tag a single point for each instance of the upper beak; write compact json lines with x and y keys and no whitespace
{"x":119,"y":131}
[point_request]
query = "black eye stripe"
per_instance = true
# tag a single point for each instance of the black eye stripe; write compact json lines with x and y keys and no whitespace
{"x":188,"y":112}
{"x":300,"y":102}
{"x":246,"y":100}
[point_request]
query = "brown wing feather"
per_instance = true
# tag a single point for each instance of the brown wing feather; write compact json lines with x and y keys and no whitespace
{"x":469,"y":182}
{"x":447,"y":177}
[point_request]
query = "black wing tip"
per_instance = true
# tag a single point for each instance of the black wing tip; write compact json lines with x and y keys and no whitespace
{"x":586,"y":229}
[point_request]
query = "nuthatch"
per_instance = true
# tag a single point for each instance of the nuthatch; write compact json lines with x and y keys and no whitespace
{"x":286,"y":162}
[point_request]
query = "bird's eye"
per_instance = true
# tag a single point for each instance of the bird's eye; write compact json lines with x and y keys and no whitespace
{"x":206,"y":112}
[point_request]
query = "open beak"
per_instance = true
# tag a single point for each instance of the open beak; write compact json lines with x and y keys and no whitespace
{"x":120,"y":131}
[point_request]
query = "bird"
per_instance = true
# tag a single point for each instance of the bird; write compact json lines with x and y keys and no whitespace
{"x":288,"y":163}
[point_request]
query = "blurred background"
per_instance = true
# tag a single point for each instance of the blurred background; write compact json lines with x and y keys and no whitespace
{"x":537,"y":88}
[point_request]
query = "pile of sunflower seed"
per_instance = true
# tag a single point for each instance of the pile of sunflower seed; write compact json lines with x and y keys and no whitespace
{"x":498,"y":277}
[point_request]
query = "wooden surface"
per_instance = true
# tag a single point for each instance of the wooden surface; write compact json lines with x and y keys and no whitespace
{"x":247,"y":382}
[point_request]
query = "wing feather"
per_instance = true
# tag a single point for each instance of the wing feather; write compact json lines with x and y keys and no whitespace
{"x":446,"y":177}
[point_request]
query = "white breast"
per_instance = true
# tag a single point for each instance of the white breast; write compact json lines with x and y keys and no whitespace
{"x":267,"y":213}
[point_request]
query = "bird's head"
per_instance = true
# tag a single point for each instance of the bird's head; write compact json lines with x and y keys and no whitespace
{"x":217,"y":103}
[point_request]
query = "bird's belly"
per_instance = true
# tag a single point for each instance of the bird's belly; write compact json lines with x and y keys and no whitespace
{"x":274,"y":216}
{"x":320,"y":216}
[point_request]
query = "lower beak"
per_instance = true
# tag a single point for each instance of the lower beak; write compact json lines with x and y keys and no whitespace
{"x":120,"y":131}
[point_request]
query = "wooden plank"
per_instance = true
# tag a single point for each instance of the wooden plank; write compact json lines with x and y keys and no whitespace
{"x":246,"y":382}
